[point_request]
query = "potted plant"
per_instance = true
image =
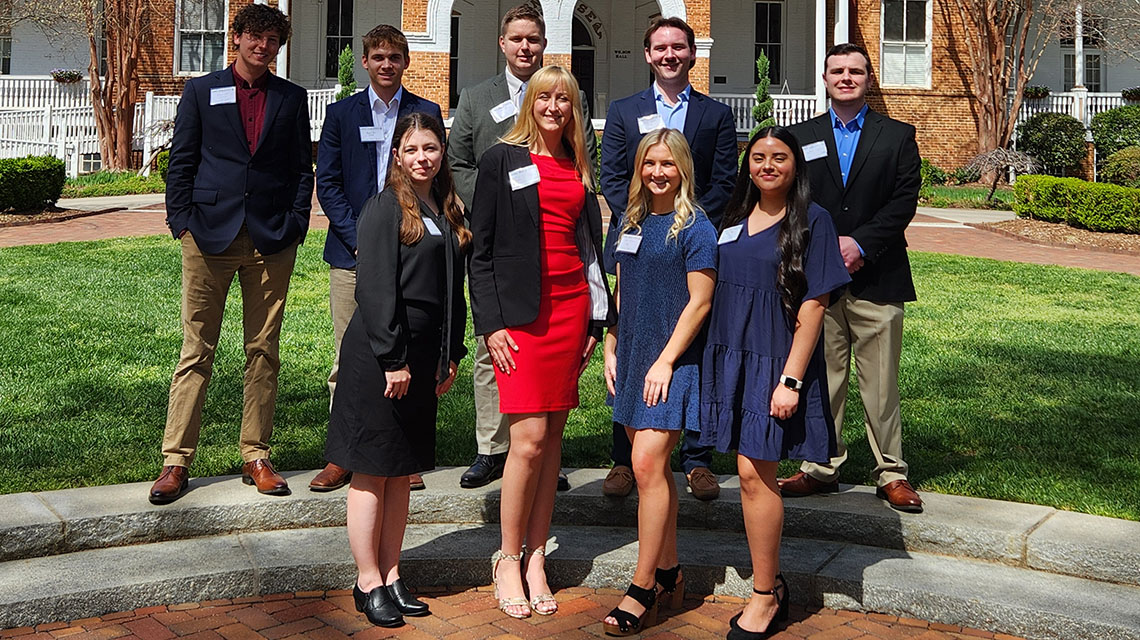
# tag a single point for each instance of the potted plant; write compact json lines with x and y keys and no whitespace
{"x":1035,"y":92}
{"x":66,"y":76}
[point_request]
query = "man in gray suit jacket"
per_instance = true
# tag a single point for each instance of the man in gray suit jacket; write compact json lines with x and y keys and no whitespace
{"x":484,"y":114}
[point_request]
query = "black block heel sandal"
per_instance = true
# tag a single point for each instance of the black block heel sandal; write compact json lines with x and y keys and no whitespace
{"x":629,"y":624}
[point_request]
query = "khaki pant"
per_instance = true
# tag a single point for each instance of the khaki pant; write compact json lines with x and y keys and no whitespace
{"x":205,"y":282}
{"x":342,"y":304}
{"x":492,"y":429}
{"x":873,"y":332}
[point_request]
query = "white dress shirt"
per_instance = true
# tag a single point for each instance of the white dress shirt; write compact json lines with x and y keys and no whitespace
{"x":384,"y":119}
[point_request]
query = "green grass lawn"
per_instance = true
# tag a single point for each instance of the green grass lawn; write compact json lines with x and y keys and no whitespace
{"x":1020,"y":382}
{"x":969,"y":197}
{"x":112,"y":183}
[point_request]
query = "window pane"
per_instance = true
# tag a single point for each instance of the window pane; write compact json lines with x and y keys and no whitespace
{"x":191,"y":14}
{"x":915,"y":65}
{"x":894,"y":63}
{"x":1092,"y":72}
{"x":774,"y":23}
{"x":774,"y":51}
{"x":214,"y":53}
{"x":454,"y":51}
{"x":346,"y":17}
{"x":916,"y":21}
{"x":892,"y":20}
{"x":333,"y":18}
{"x":761,"y":21}
{"x":191,"y":58}
{"x":332,"y":50}
{"x":1070,"y":73}
{"x":215,"y":15}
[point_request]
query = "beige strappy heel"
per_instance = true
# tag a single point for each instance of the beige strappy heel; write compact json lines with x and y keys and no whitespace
{"x":547,"y":599}
{"x":509,"y":602}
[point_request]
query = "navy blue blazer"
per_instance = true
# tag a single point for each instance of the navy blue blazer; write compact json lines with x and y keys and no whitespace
{"x":346,"y":168}
{"x":214,"y":185}
{"x":711,"y":132}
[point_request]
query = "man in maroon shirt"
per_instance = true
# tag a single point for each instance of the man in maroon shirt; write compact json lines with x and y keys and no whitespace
{"x":238,"y":195}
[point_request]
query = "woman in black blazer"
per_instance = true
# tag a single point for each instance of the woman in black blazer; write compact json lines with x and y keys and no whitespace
{"x":539,"y":297}
{"x":399,"y":353}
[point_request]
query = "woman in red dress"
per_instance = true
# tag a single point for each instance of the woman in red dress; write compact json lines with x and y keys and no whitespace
{"x":539,"y":298}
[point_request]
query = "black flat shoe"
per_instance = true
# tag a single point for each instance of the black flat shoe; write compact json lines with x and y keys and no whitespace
{"x":485,"y":469}
{"x":405,"y":601}
{"x":736,"y":632}
{"x":377,"y":606}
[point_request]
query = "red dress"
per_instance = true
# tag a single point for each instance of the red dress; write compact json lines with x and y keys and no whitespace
{"x":550,"y":348}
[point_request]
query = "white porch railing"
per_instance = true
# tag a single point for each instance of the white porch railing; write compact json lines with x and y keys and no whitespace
{"x":319,"y":100}
{"x":33,"y":92}
{"x":1081,"y":105}
{"x":787,"y":109}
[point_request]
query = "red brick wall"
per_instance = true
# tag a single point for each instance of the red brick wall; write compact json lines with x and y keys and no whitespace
{"x":698,"y":15}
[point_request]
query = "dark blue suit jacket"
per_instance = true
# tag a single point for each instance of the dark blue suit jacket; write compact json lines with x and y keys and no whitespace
{"x":214,"y":185}
{"x":346,"y":168}
{"x":711,"y":132}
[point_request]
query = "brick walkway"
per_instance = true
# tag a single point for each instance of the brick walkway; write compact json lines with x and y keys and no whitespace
{"x":463,"y":614}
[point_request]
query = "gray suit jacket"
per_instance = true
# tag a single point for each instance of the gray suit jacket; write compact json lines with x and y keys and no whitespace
{"x":473,"y":131}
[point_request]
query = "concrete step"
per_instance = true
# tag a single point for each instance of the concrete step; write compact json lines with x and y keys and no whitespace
{"x":1019,"y":535}
{"x":955,"y":591}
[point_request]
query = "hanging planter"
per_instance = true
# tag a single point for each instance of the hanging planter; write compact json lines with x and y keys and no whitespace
{"x":1035,"y":92}
{"x":1131,"y":94}
{"x":66,"y":76}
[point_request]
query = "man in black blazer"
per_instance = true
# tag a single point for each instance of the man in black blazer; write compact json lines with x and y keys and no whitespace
{"x":352,"y":165}
{"x":709,"y":128}
{"x":865,"y":171}
{"x":238,"y":195}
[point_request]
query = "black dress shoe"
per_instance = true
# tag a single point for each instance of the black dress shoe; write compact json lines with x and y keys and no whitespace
{"x":484,"y":470}
{"x":563,"y":481}
{"x":377,"y":606}
{"x":405,"y":601}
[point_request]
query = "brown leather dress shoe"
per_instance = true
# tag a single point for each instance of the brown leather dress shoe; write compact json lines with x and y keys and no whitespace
{"x":260,"y":472}
{"x":416,"y":482}
{"x":801,"y":485}
{"x":703,"y":484}
{"x":170,"y":486}
{"x":618,"y":482}
{"x":330,"y":478}
{"x":901,"y":496}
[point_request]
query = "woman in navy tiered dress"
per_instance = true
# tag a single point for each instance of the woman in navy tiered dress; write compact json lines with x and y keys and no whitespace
{"x":764,"y":390}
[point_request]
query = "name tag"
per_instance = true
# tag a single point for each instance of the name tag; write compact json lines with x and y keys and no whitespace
{"x":730,"y":234}
{"x":431,"y":227}
{"x":223,"y":95}
{"x":629,"y":243}
{"x":524,"y":177}
{"x":651,"y":122}
{"x":371,"y":134}
{"x":815,"y":150}
{"x":504,"y":110}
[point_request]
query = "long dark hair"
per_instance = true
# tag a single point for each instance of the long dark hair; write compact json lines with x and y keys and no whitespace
{"x":442,"y":186}
{"x":794,"y":233}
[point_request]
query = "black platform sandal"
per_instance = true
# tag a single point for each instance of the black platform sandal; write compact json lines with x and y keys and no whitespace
{"x":736,"y":632}
{"x":629,"y":624}
{"x":672,"y":586}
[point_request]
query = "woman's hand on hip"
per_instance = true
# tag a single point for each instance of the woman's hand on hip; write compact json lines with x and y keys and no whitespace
{"x":657,"y":383}
{"x":445,"y":386}
{"x":784,"y":402}
{"x":501,"y":346}
{"x":398,"y":381}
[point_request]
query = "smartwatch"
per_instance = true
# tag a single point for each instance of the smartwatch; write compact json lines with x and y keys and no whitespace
{"x":791,"y":383}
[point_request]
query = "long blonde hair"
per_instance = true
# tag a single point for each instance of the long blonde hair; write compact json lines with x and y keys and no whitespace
{"x":640,"y":199}
{"x":525,"y":132}
{"x":442,"y":188}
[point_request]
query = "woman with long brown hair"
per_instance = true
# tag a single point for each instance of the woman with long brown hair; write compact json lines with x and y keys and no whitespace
{"x":400,"y":352}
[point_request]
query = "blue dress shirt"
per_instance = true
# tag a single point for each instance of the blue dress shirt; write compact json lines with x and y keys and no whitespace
{"x":673,"y":116}
{"x":847,"y":139}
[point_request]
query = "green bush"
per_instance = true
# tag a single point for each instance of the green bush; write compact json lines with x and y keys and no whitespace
{"x":931,"y":175}
{"x":1091,"y":205}
{"x":112,"y":183}
{"x":965,"y":175}
{"x":1055,"y":140}
{"x":31,"y":183}
{"x":1115,"y":129}
{"x":1123,"y":168}
{"x":163,"y":162}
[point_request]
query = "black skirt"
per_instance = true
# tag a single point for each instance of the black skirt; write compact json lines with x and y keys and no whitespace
{"x":380,"y":436}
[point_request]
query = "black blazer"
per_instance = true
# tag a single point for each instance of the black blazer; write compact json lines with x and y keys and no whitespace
{"x":878,"y":202}
{"x":505,"y":263}
{"x":214,"y":185}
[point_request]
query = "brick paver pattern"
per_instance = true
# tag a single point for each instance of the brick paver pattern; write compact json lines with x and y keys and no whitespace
{"x":464,"y":614}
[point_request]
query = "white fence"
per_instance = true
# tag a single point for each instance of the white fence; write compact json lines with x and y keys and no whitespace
{"x":319,"y":100}
{"x":1081,"y":105}
{"x":787,"y":109}
{"x":35,"y":92}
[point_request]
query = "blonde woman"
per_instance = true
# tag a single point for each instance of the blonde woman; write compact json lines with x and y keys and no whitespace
{"x":539,"y":298}
{"x":666,"y":270}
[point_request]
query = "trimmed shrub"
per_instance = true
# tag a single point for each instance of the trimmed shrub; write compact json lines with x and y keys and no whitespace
{"x":30,"y":184}
{"x":1123,"y":168}
{"x":1115,"y":129}
{"x":1055,"y":140}
{"x":162,"y":162}
{"x":1090,"y":205}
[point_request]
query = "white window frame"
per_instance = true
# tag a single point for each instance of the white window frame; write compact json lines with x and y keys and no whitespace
{"x":177,"y":58}
{"x":1069,"y":51}
{"x":928,"y":80}
{"x":325,"y":35}
{"x":5,"y":52}
{"x":783,"y":44}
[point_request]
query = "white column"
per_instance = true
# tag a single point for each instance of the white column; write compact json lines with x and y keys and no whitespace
{"x":148,"y":139}
{"x":842,"y":31}
{"x":1079,"y":47}
{"x":283,"y":52}
{"x":559,"y":17}
{"x":820,"y":50}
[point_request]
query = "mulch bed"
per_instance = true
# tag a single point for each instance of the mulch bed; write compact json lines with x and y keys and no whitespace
{"x":1062,"y":235}
{"x":53,"y":214}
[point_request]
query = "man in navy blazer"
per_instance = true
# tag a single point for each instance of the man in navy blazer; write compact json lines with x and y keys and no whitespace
{"x":238,"y":195}
{"x":352,"y":165}
{"x":708,"y":126}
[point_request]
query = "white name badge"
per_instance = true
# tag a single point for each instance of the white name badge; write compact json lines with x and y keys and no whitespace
{"x":524,"y":177}
{"x":223,"y":95}
{"x":815,"y":150}
{"x":651,"y":122}
{"x":431,"y":227}
{"x":629,"y":243}
{"x":371,"y":134}
{"x":730,"y":234}
{"x":504,"y":110}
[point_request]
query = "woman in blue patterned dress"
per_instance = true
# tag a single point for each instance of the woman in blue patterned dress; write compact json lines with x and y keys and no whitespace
{"x":666,"y":257}
{"x":764,"y":390}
